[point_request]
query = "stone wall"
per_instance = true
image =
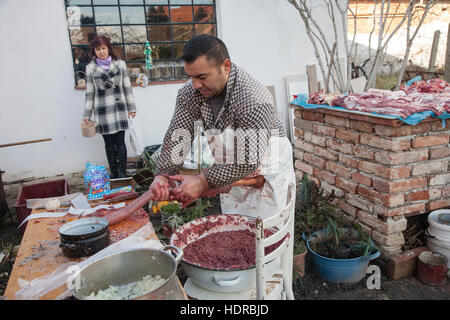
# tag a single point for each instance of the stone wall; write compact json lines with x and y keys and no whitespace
{"x":380,"y":173}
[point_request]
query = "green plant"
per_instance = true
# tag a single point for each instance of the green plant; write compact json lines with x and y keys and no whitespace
{"x":332,"y":229}
{"x":299,"y":245}
{"x":174,"y":221}
{"x":364,"y":247}
{"x":172,"y":208}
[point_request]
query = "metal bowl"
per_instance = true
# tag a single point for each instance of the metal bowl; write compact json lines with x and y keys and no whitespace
{"x":128,"y":266}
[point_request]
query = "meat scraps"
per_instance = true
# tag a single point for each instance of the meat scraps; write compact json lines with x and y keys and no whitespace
{"x":225,"y":250}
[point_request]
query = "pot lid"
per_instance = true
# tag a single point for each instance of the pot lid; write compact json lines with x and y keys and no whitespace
{"x":84,"y":227}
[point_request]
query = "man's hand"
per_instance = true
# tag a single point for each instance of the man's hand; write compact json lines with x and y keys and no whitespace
{"x":190,"y":189}
{"x":160,"y":188}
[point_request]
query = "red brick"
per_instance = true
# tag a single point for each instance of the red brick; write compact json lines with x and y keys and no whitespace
{"x":395,"y":239}
{"x":390,"y":158}
{"x":337,"y":121}
{"x":303,"y":124}
{"x":349,"y":161}
{"x":418,"y":195}
{"x":313,"y":116}
{"x":304,"y":146}
{"x":437,"y":204}
{"x":325,"y":153}
{"x":344,"y":206}
{"x":325,"y":176}
{"x":389,"y":200}
{"x":315,"y":139}
{"x":404,"y":265}
{"x":325,"y":130}
{"x":387,"y":227}
{"x":404,"y":210}
{"x":363,"y":126}
{"x":317,"y":161}
{"x":383,"y":143}
{"x":298,"y":154}
{"x":405,"y":130}
{"x":358,"y":202}
{"x":446,"y":192}
{"x":429,"y":141}
{"x":437,"y":126}
{"x":346,"y":185}
{"x":299,"y":133}
{"x":364,"y":152}
{"x":328,"y":188}
{"x":396,"y":173}
{"x":442,"y":179}
{"x":371,"y":167}
{"x":338,"y":169}
{"x":429,"y":168}
{"x":399,"y":186}
{"x":439,"y":153}
{"x":306,"y":168}
{"x":344,"y":147}
{"x":347,"y":135}
{"x":298,"y":113}
{"x":362,"y":179}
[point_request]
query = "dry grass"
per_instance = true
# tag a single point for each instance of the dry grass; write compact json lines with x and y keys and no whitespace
{"x":387,"y":82}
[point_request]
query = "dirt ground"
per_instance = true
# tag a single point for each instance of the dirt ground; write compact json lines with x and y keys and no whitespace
{"x":310,"y":287}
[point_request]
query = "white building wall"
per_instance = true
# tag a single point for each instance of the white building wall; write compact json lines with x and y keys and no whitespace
{"x":266,"y":37}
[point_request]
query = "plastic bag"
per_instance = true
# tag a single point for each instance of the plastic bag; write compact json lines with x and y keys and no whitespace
{"x":136,"y":137}
{"x":142,"y":80}
{"x":96,"y":181}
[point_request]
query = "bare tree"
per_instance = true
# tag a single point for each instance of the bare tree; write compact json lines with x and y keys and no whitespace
{"x":339,"y":11}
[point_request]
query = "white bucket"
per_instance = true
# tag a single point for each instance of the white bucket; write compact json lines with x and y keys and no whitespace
{"x":88,"y":129}
{"x":439,"y":234}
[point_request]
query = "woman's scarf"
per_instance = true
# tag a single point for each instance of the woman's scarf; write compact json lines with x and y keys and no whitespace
{"x":103,"y":63}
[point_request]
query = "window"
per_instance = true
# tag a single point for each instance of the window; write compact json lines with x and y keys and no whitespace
{"x":166,"y":24}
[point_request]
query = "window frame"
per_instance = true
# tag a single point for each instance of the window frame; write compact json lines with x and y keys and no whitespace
{"x":171,"y":64}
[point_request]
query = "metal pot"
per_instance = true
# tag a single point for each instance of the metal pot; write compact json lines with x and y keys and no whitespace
{"x":84,"y":237}
{"x":220,"y":280}
{"x":128,"y":266}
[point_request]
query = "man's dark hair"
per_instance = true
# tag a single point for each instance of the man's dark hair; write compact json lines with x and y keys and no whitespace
{"x":205,"y":45}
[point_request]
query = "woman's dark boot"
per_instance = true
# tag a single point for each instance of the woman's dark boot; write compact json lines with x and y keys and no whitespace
{"x":122,"y":160}
{"x":111,"y":155}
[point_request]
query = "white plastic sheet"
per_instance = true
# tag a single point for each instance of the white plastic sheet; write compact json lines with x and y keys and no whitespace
{"x":39,"y":287}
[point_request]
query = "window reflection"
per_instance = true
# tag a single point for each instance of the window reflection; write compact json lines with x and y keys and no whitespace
{"x":131,"y":2}
{"x":182,"y":32}
{"x":118,"y":50}
{"x":177,"y":2}
{"x":161,"y":51}
{"x":157,"y":14}
{"x":159,"y":33}
{"x":204,"y":14}
{"x":153,"y":2}
{"x":135,"y":52}
{"x":133,"y":15}
{"x":105,"y":1}
{"x":203,"y":1}
{"x":112,"y":32}
{"x":77,"y":2}
{"x":81,"y":35}
{"x":134,"y":34}
{"x":205,"y":28}
{"x":178,"y":50}
{"x":181,"y":14}
{"x":77,"y":16}
{"x":107,"y":15}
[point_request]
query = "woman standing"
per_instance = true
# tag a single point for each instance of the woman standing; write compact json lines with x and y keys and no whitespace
{"x":109,"y":98}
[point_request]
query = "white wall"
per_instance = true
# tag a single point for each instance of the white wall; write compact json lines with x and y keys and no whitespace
{"x":39,"y":101}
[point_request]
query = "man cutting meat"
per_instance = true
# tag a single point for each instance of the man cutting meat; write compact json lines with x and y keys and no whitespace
{"x":243,"y":130}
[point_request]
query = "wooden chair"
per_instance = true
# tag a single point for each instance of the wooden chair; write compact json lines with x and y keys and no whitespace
{"x":283,"y":223}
